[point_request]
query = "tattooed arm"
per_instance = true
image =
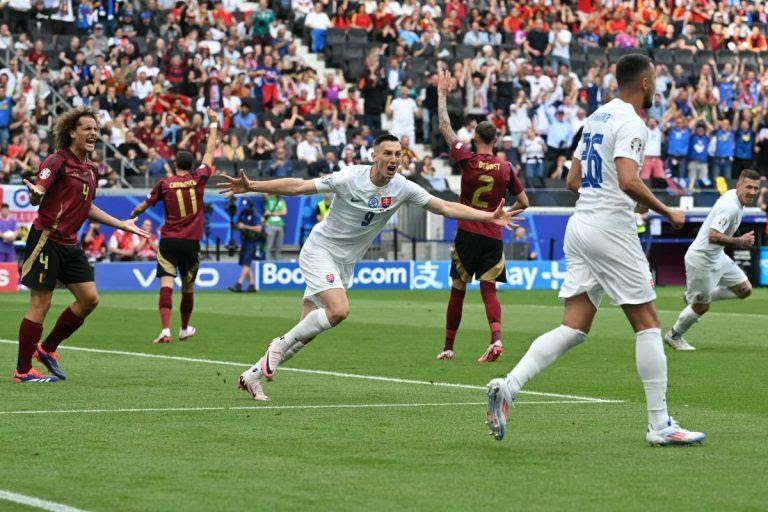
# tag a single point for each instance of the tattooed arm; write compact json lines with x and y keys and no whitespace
{"x":443,"y":88}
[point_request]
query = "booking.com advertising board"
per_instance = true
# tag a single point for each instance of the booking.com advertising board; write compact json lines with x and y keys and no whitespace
{"x":368,"y":275}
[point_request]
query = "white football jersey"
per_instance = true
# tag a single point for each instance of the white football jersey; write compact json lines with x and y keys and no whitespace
{"x":612,"y":131}
{"x":724,"y":217}
{"x":360,"y":210}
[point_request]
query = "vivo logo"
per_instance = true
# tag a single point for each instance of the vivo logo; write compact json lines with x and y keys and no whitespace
{"x":206,"y":278}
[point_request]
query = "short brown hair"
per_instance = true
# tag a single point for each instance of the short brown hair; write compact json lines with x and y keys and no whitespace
{"x":67,"y":122}
{"x":749,"y":174}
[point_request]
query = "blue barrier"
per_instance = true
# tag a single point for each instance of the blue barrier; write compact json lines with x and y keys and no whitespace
{"x":368,"y":275}
{"x":137,"y":276}
{"x":763,"y":259}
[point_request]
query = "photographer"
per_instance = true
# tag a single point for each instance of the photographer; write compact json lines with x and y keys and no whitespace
{"x":249,"y":225}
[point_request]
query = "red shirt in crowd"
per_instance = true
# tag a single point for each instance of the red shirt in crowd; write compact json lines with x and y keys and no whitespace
{"x":70,"y":188}
{"x":182,"y":197}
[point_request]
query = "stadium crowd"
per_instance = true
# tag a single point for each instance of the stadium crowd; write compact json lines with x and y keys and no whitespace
{"x":534,"y":69}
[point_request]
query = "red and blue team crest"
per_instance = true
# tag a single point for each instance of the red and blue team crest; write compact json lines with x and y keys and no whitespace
{"x":330,"y":278}
{"x":386,"y":202}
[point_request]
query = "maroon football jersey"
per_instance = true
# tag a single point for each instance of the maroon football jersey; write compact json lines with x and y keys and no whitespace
{"x":182,"y":196}
{"x":484,"y":182}
{"x":70,"y":188}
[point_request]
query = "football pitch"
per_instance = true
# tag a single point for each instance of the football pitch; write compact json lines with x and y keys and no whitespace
{"x":365,"y":418}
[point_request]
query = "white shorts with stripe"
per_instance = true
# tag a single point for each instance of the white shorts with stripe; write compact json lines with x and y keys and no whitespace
{"x":601,"y":261}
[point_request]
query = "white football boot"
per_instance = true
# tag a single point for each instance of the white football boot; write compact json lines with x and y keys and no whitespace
{"x":677,"y":342}
{"x":250,"y":381}
{"x":673,"y":434}
{"x":500,"y":399}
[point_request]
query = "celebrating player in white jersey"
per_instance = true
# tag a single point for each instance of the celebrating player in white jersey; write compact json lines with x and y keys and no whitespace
{"x":603,"y":254}
{"x":365,"y":197}
{"x":710,"y":274}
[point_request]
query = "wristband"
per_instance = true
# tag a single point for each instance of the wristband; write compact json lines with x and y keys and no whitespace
{"x":213,"y":125}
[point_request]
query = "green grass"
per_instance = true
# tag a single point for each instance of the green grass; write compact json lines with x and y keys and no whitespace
{"x":558,"y":456}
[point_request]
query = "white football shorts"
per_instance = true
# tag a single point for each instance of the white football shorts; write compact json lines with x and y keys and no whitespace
{"x":701,"y":281}
{"x":321,"y":272}
{"x":599,"y":261}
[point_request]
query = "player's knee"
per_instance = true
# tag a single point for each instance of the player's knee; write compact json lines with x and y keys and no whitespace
{"x":700,"y":309}
{"x":337,"y":314}
{"x":89,"y":302}
{"x":744,"y":291}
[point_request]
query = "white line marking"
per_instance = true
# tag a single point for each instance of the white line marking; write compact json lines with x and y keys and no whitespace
{"x":323,"y":372}
{"x":282,"y":407}
{"x":30,"y":501}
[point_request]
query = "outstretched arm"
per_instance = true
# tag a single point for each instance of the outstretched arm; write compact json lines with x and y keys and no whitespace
{"x":283,"y":186}
{"x":443,"y":88}
{"x":96,"y":214}
{"x":140,"y":208}
{"x":458,"y":211}
{"x":210,"y":145}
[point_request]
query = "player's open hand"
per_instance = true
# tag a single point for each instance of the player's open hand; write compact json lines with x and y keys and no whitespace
{"x":233,"y":186}
{"x":504,"y":218}
{"x":677,"y":219}
{"x":35,"y":192}
{"x":131,"y":227}
{"x":444,"y":82}
{"x":747,"y":240}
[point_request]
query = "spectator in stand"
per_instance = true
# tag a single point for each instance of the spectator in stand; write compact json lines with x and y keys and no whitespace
{"x":559,"y":169}
{"x":281,"y":167}
{"x":310,"y":148}
{"x":532,"y":151}
{"x":275,"y":211}
{"x":233,"y":150}
{"x":93,"y":243}
{"x":122,"y":246}
{"x":559,"y":42}
{"x":374,"y":93}
{"x":6,"y":106}
{"x":537,"y":45}
{"x":653,"y":165}
{"x":678,"y":141}
{"x":403,"y":111}
{"x":698,"y":156}
{"x":724,"y":146}
{"x":324,"y":166}
{"x":155,"y":165}
{"x":146,"y":248}
{"x":743,"y":152}
{"x":9,"y":232}
{"x":318,"y":22}
{"x":560,"y":135}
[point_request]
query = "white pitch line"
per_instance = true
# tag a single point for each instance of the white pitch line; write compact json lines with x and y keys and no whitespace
{"x":323,"y":372}
{"x":31,"y":501}
{"x":281,"y":407}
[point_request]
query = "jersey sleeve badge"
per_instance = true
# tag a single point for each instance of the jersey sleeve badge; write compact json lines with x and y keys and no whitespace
{"x":45,"y":174}
{"x":636,"y":145}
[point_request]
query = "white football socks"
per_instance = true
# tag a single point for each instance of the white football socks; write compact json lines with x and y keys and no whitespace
{"x":652,"y":368}
{"x":687,"y":318}
{"x":543,"y":352}
{"x":312,"y":325}
{"x":723,"y":293}
{"x":293,"y":350}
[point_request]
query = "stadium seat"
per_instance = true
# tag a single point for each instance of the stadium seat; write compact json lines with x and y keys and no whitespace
{"x":595,"y":54}
{"x":664,"y":56}
{"x":252,"y":168}
{"x":750,"y":58}
{"x":335,"y":36}
{"x":683,"y":57}
{"x":723,"y":56}
{"x":703,"y":57}
{"x":224,"y":166}
{"x":357,"y":36}
{"x":465,"y":51}
{"x":300,"y":169}
{"x":242,"y":135}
